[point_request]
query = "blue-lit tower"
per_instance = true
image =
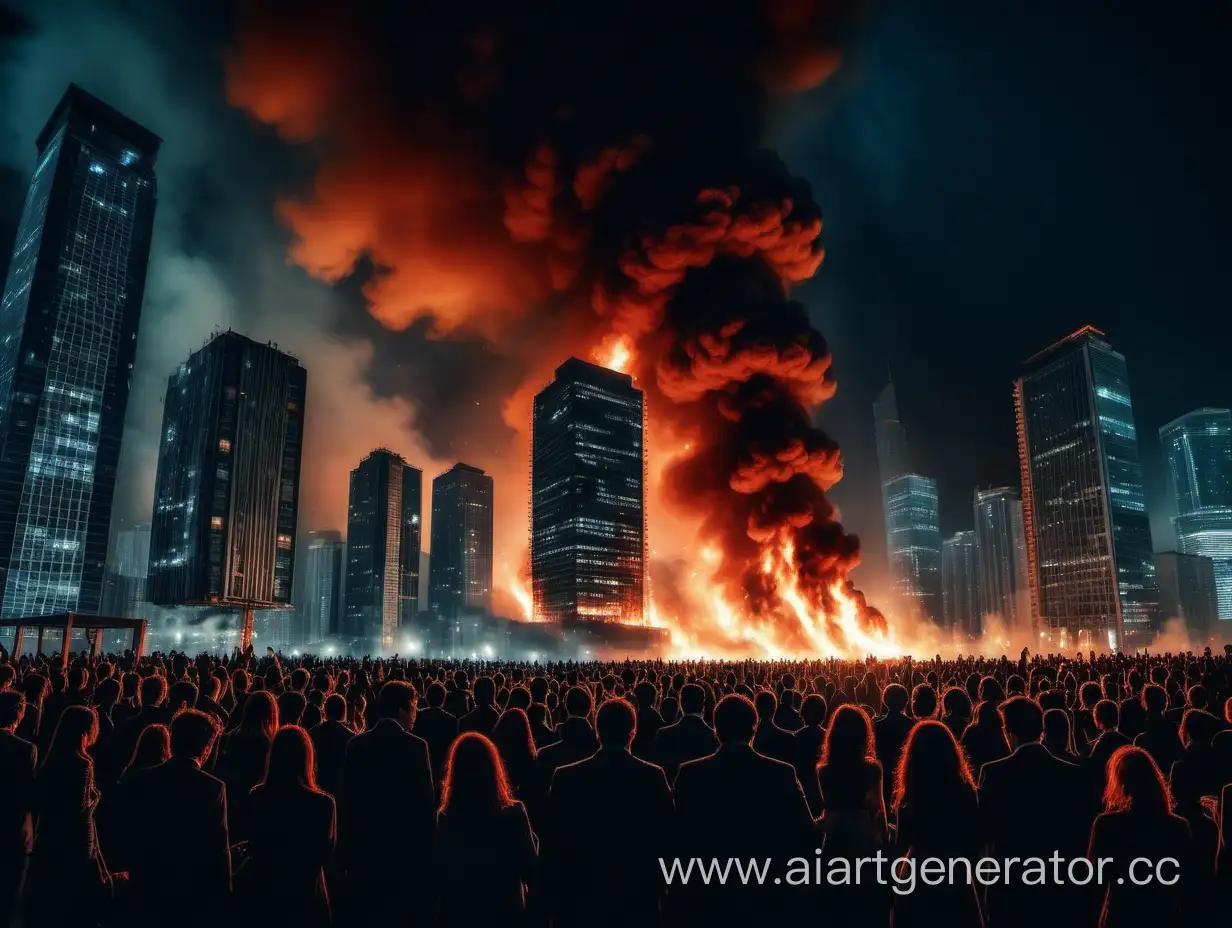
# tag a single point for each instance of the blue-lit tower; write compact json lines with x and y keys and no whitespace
{"x":913,"y":530}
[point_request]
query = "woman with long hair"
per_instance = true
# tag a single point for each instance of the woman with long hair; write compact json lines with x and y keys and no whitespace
{"x":1138,"y":822}
{"x":516,"y":746}
{"x":293,"y":830}
{"x":478,"y":810}
{"x":984,"y":739}
{"x":244,"y":755}
{"x":936,"y":808}
{"x":119,"y":803}
{"x":67,"y":876}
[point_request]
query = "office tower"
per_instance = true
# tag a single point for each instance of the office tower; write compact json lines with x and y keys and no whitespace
{"x":68,"y":336}
{"x":891,"y":437}
{"x":960,"y":584}
{"x":1001,"y":547}
{"x":587,"y":518}
{"x":913,"y":526}
{"x":227,"y":491}
{"x":124,"y":582}
{"x":1188,"y":591}
{"x":1084,"y":512}
{"x":319,"y":599}
{"x":1198,"y":461}
{"x":461,"y":578}
{"x":383,"y":516}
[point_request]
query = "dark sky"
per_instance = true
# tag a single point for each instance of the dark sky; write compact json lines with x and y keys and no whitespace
{"x":993,"y":176}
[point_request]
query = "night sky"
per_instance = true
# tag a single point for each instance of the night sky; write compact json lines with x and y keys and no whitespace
{"x":991,"y":179}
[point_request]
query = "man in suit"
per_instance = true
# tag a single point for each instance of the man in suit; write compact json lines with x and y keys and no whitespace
{"x":686,"y":739}
{"x":1106,"y":714}
{"x":18,"y":759}
{"x":628,"y":802}
{"x":649,"y":721}
{"x":438,"y":728}
{"x":738,"y":803}
{"x":808,"y":744}
{"x":769,"y":739}
{"x":388,"y":814}
{"x":483,"y":717}
{"x":329,"y":742}
{"x":197,"y":867}
{"x":1032,"y":805}
{"x":577,"y":738}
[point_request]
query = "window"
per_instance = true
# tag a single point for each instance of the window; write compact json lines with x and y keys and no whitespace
{"x":284,"y":542}
{"x":224,"y":445}
{"x":216,"y":523}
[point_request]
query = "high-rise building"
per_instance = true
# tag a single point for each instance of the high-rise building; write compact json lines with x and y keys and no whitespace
{"x":891,"y":437}
{"x":227,"y":491}
{"x":1084,"y":512}
{"x":383,"y":529}
{"x":913,"y":526}
{"x":124,"y":582}
{"x":68,"y":336}
{"x":1198,"y":458}
{"x":587,"y":518}
{"x":1001,"y":546}
{"x":960,"y":589}
{"x":319,"y":599}
{"x":461,"y":541}
{"x":1188,"y":591}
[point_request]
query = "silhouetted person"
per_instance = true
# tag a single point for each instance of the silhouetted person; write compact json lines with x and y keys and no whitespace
{"x":152,"y":711}
{"x":809,"y":742}
{"x":1057,"y":737}
{"x":485,"y":714}
{"x":292,"y":842}
{"x":291,"y":706}
{"x":67,"y":875}
{"x":18,"y":761}
{"x":937,"y":811}
{"x":732,"y":803}
{"x":787,"y":715}
{"x":478,"y":811}
{"x":387,"y":790}
{"x":517,"y":751}
{"x":437,"y":727}
{"x":1032,"y":804}
{"x":649,"y":721}
{"x":1137,"y":822}
{"x":36,"y":690}
{"x":688,"y":738}
{"x":890,"y":730}
{"x":629,"y":803}
{"x":329,"y":743}
{"x":769,"y":739}
{"x":984,"y":739}
{"x":121,"y":804}
{"x":1160,"y":737}
{"x":956,"y":711}
{"x":577,"y":738}
{"x":198,"y":867}
{"x":243,"y":757}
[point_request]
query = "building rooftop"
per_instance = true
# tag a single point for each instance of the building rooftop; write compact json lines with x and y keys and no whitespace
{"x":577,"y":369}
{"x":78,"y":108}
{"x":1088,"y":333}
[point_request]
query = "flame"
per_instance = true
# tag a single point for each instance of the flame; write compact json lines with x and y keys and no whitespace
{"x":520,"y":590}
{"x":615,"y":353}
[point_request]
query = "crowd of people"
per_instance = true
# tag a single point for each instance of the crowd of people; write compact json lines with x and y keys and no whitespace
{"x":315,"y":791}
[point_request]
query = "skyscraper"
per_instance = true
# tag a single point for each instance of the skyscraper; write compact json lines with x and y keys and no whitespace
{"x":461,"y":541}
{"x":913,"y":527}
{"x":1084,"y":512}
{"x":227,"y":491}
{"x":124,"y":582}
{"x":1198,"y":458}
{"x":1188,"y":591}
{"x":383,"y":528}
{"x":68,"y":336}
{"x":587,"y":518}
{"x":319,"y":601}
{"x":960,"y":584}
{"x":1001,"y":546}
{"x":891,"y":436}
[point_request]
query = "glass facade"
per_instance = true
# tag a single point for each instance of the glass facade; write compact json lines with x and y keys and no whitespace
{"x":1188,"y":591}
{"x":226,"y":496}
{"x":1088,"y":535}
{"x":461,"y":578}
{"x":588,"y":527}
{"x":1198,"y":460}
{"x":1001,"y":548}
{"x":124,"y":583}
{"x":960,"y":588}
{"x":68,"y":334}
{"x":383,"y":539}
{"x":319,"y":601}
{"x":891,"y":436}
{"x":913,"y":524}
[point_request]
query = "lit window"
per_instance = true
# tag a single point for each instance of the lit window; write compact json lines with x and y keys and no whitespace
{"x":216,"y":523}
{"x":224,"y":444}
{"x":284,"y":542}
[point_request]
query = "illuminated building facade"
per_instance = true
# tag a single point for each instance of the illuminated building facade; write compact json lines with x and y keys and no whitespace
{"x":319,"y":601}
{"x":960,"y":587}
{"x":69,"y":313}
{"x":383,"y":537}
{"x":1198,"y":457}
{"x":1001,"y":546}
{"x":461,"y":579}
{"x":1188,"y":591}
{"x":227,"y":492}
{"x":588,"y":523}
{"x":124,"y":582}
{"x":913,"y":527}
{"x":1088,"y":535}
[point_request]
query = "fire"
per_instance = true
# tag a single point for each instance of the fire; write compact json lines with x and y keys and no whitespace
{"x":615,"y":353}
{"x":520,"y":591}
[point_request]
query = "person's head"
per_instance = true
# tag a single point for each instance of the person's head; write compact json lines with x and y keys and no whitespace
{"x":813,"y":710}
{"x":895,"y":698}
{"x":519,"y":698}
{"x":475,"y":780}
{"x":512,"y":736}
{"x":35,"y":687}
{"x":577,"y":702}
{"x":12,"y":708}
{"x":692,"y":699}
{"x":299,"y":679}
{"x":1089,"y":694}
{"x":931,"y":767}
{"x":1199,"y":728}
{"x":616,"y":723}
{"x":182,"y":695}
{"x":1196,"y":697}
{"x":290,"y":761}
{"x":923,"y":701}
{"x":240,"y":682}
{"x":955,"y":703}
{"x":435,"y":695}
{"x":7,"y":676}
{"x":766,"y":705}
{"x":260,"y":715}
{"x":991,"y":691}
{"x":153,"y":691}
{"x":849,"y":739}
{"x":78,"y":677}
{"x":735,"y":718}
{"x":291,"y":706}
{"x":397,"y":701}
{"x":485,"y":692}
{"x":76,"y":731}
{"x":1023,"y":720}
{"x":153,"y":747}
{"x":644,"y":693}
{"x":193,"y":734}
{"x":1136,"y":784}
{"x":1154,"y":699}
{"x":1107,"y":715}
{"x":1057,"y":731}
{"x":107,"y":693}
{"x":335,"y":708}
